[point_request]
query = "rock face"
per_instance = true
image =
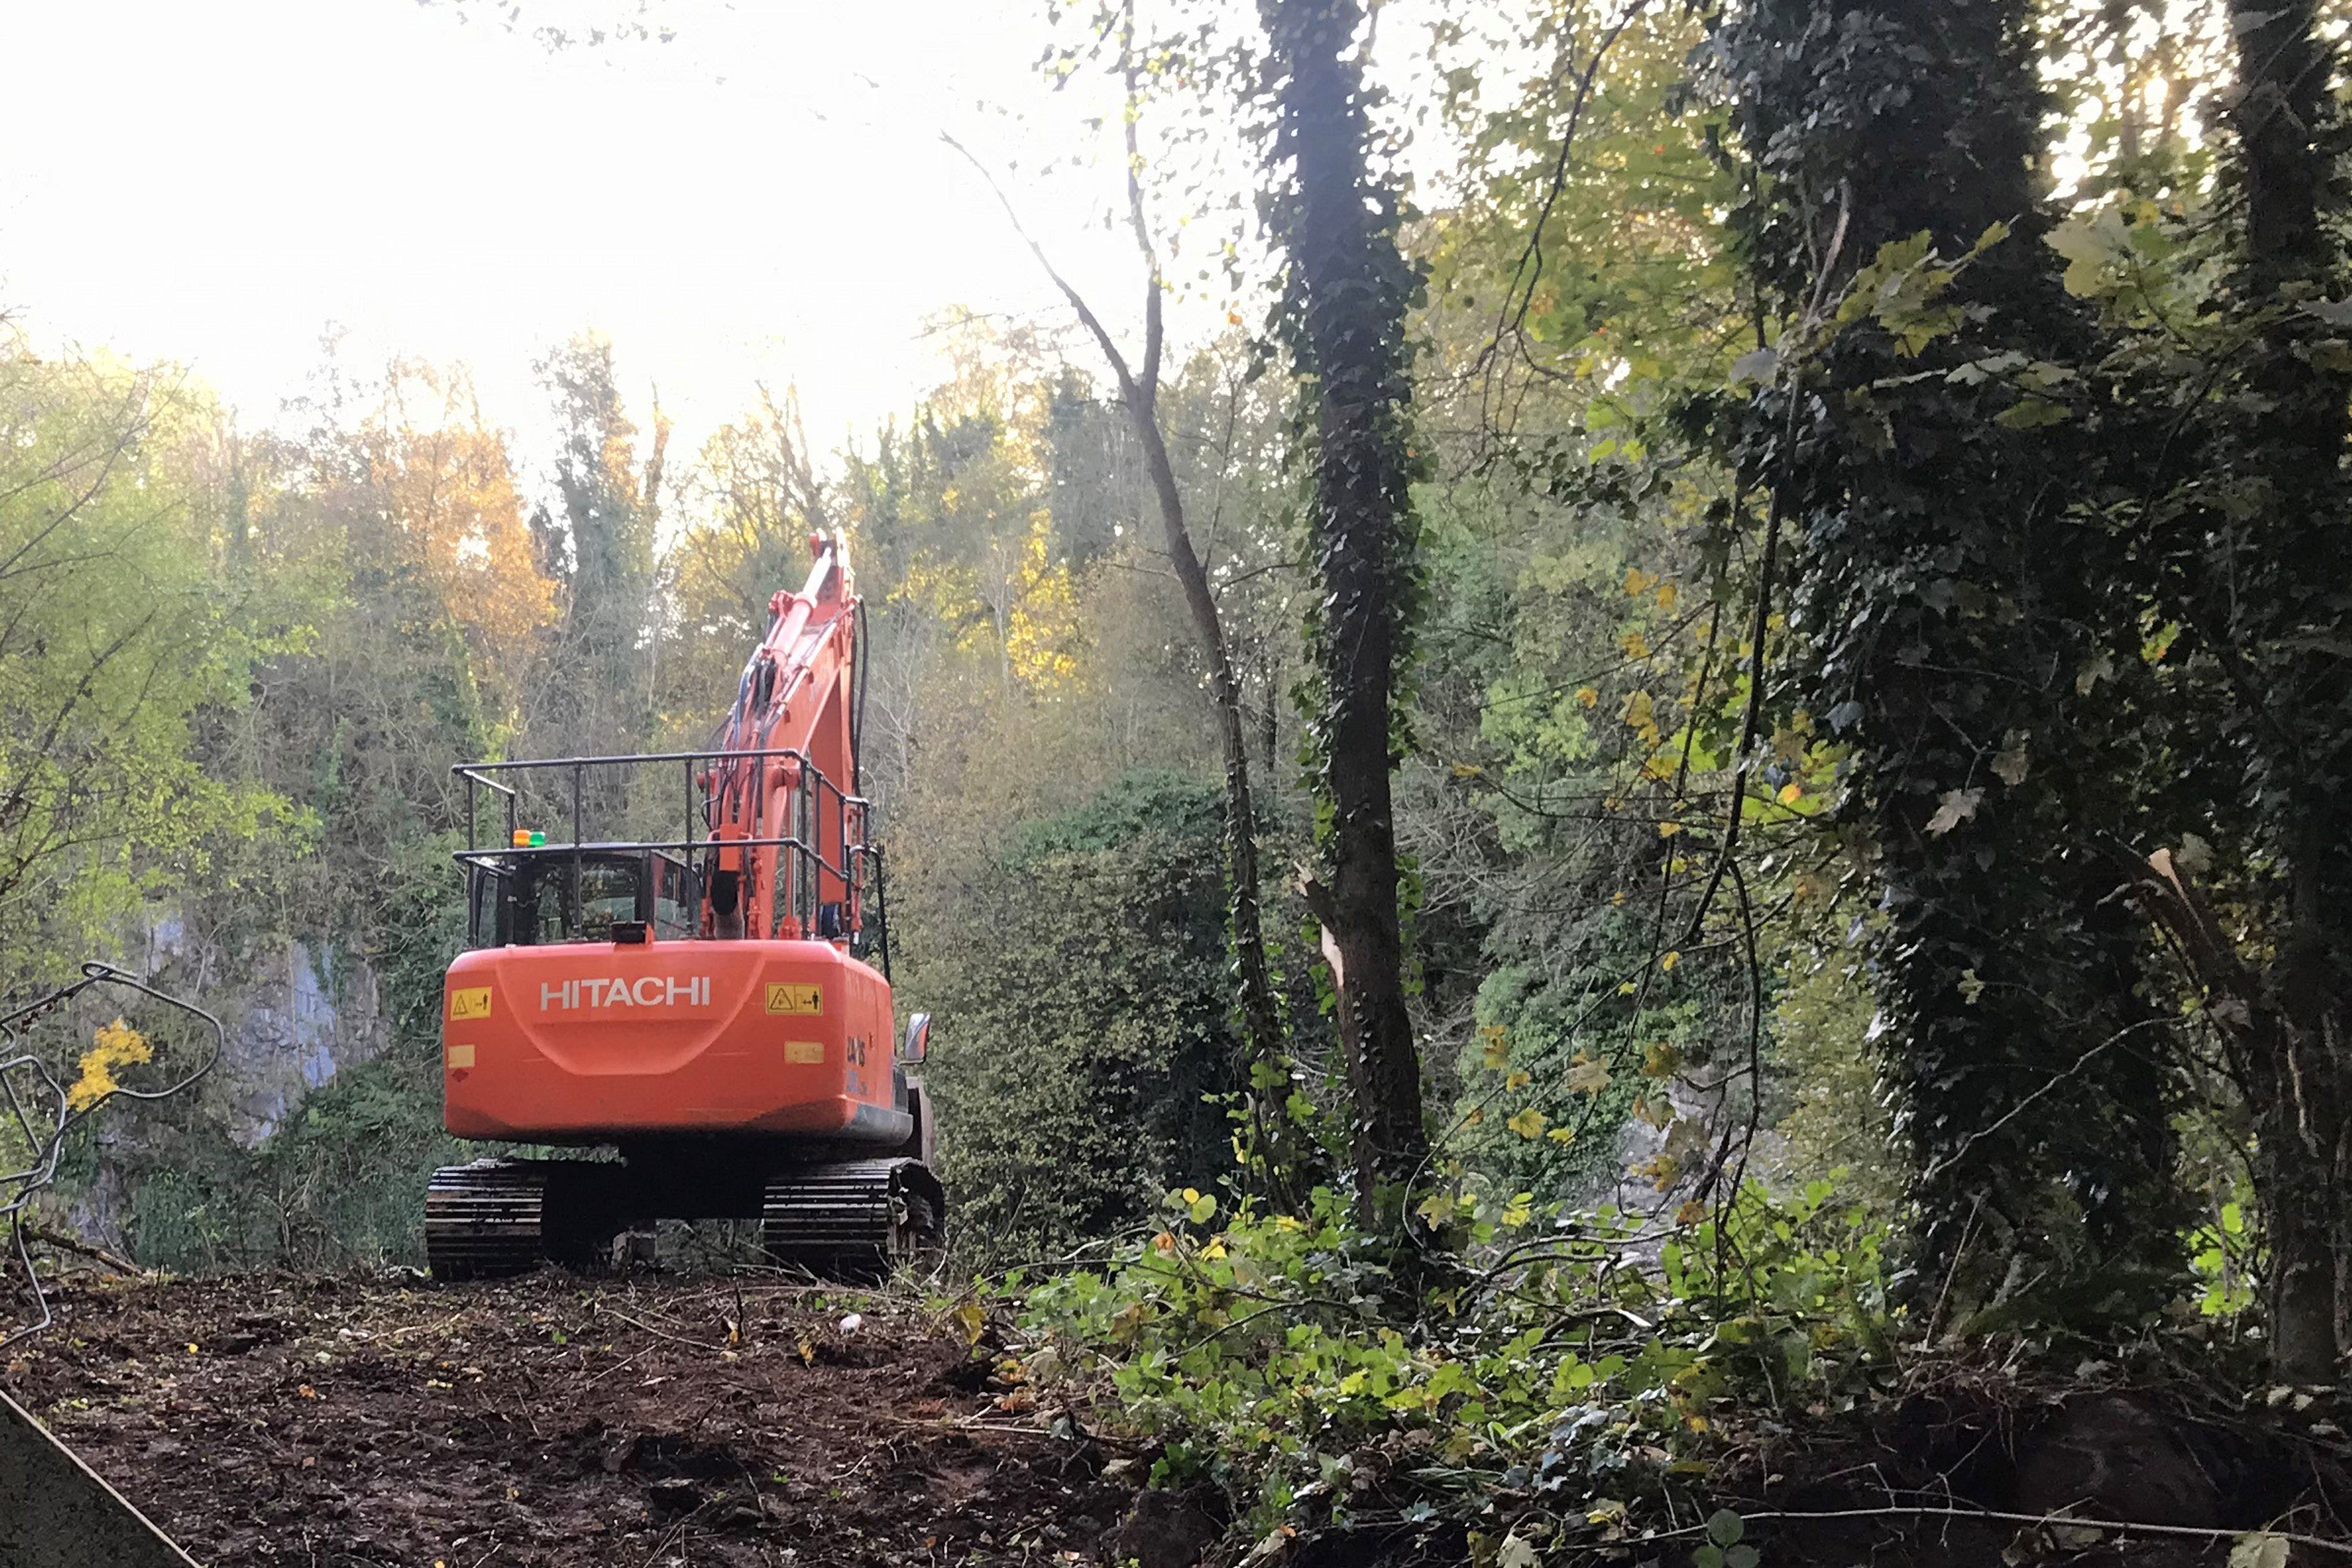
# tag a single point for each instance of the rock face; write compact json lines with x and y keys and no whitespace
{"x":300,"y":1022}
{"x":294,"y":1019}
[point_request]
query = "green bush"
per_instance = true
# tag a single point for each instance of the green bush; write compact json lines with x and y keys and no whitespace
{"x":1085,"y":1030}
{"x":1578,"y":1370}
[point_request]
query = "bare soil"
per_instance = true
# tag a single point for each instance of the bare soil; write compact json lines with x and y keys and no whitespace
{"x":551,"y":1420}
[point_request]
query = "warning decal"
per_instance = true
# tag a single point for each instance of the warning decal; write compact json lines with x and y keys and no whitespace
{"x":790,"y":997}
{"x":804,"y":1051}
{"x":471,"y":1002}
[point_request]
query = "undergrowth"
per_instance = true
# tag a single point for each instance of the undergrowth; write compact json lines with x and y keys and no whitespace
{"x":1574,"y":1380}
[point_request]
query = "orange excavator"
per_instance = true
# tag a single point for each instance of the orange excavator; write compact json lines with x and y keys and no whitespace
{"x":708,"y":1007}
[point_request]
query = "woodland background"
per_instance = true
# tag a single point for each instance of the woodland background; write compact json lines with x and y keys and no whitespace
{"x":1876,"y":482}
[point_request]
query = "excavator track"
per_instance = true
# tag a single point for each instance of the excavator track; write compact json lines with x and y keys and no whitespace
{"x":486,"y":1219}
{"x":490,"y":1219}
{"x":855,"y":1219}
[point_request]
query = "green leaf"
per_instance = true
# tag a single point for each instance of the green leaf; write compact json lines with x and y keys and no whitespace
{"x":1725,"y":1528}
{"x":2031,"y":414}
{"x":2258,"y":1549}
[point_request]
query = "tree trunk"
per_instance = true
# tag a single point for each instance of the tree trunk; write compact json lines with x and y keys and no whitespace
{"x":1355,"y":288}
{"x":1262,"y":1031}
{"x":2288,"y":626}
{"x":1286,"y":1164}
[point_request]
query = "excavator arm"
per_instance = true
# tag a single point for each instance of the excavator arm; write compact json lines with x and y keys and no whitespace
{"x":786,"y":821}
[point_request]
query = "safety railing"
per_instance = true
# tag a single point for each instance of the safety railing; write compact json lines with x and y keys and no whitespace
{"x":830,"y":823}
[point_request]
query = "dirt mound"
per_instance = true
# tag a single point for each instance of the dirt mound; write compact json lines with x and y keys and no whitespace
{"x":553,"y":1421}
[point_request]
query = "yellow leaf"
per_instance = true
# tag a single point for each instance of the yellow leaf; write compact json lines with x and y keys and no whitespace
{"x":1495,"y":1045}
{"x":1636,"y":646}
{"x":1661,"y":1059}
{"x":1586,"y":1076}
{"x":1164,"y":1242}
{"x":1638,"y":582}
{"x":1589,"y":696}
{"x":1562,"y":1135}
{"x":970,"y":1318}
{"x":1790,"y":793}
{"x":1529,"y":1122}
{"x":113,"y":1046}
{"x":1668,"y":960}
{"x":1668,"y":594}
{"x":1518,"y":1080}
{"x":1640,"y":711}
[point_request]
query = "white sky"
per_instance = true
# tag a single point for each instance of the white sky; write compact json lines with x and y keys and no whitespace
{"x":213,"y":182}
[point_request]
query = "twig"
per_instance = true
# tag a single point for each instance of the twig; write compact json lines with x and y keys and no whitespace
{"x":633,"y":1355}
{"x":673,"y":1339}
{"x":1760,"y":623}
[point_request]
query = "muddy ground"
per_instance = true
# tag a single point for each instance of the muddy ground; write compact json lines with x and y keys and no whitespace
{"x":343,"y":1424}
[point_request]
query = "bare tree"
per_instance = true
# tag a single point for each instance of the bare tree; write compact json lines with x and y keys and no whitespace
{"x":1138,"y":389}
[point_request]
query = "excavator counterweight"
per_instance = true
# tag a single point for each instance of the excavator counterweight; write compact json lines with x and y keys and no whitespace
{"x":710,"y":1008}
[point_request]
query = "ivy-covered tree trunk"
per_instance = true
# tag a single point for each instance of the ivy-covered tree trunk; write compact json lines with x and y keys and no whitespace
{"x":2280,"y":599}
{"x":1352,"y":288}
{"x":1952,"y":626}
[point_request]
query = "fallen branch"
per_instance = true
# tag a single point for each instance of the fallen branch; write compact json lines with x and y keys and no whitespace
{"x":74,"y":1244}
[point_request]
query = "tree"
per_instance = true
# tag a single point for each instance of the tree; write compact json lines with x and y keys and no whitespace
{"x":1349,"y":288}
{"x":447,"y":486}
{"x":601,"y":688}
{"x":120,"y":647}
{"x":1959,"y":627}
{"x":1092,"y":1057}
{"x":756,"y":499}
{"x":2252,"y":550}
{"x":1139,"y":382}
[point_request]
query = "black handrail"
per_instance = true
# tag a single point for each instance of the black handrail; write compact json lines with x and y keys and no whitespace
{"x":851,"y":821}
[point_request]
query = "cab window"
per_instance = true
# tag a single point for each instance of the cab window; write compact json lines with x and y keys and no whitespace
{"x":674,"y":903}
{"x":543,"y":903}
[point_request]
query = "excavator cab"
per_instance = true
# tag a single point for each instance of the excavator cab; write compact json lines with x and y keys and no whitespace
{"x":531,"y":899}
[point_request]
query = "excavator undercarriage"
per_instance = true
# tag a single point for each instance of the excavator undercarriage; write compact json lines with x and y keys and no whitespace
{"x":855,"y":1219}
